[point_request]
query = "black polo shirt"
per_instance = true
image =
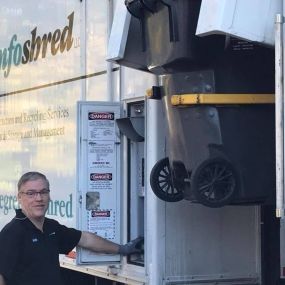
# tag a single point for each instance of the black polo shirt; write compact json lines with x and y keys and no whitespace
{"x":29,"y":256}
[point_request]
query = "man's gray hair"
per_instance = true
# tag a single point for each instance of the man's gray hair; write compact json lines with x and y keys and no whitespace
{"x":31,"y":176}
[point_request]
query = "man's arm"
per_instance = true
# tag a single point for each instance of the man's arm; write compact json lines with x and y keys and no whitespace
{"x":97,"y":244}
{"x":2,"y":281}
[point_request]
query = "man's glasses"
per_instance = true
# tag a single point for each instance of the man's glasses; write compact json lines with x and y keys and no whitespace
{"x":33,"y":194}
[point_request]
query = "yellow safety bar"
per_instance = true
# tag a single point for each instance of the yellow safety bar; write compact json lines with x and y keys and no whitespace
{"x":210,"y":98}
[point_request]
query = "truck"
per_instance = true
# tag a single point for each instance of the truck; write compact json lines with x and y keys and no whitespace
{"x":153,"y":118}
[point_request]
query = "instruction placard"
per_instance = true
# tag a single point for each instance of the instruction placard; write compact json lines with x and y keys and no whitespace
{"x":98,"y":175}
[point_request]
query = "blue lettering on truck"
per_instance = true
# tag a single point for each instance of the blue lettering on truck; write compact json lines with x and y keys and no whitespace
{"x":59,"y":208}
{"x":32,"y":49}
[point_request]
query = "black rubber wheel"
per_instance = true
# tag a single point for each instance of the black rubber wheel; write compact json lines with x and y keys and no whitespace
{"x":214,"y":182}
{"x":162,"y":184}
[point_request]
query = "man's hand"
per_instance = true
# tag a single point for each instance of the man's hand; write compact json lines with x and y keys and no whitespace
{"x":134,"y":246}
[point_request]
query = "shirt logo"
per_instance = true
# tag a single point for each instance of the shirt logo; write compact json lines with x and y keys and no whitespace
{"x":35,"y":240}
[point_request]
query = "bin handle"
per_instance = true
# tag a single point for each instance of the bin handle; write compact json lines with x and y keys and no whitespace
{"x":173,"y":26}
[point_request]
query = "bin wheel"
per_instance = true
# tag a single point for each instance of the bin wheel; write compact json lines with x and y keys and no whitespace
{"x":162,"y":184}
{"x":214,"y":182}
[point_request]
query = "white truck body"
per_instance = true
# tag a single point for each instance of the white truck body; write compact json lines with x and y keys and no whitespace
{"x":53,"y":55}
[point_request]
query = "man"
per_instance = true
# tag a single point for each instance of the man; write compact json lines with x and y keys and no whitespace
{"x":30,"y":244}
